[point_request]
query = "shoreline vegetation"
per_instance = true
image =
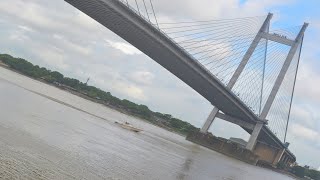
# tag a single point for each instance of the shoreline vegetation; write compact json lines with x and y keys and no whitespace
{"x":95,"y":94}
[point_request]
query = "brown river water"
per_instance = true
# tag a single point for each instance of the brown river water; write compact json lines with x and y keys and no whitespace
{"x":47,"y":133}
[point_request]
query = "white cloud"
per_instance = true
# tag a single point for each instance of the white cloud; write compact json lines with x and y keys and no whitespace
{"x":305,"y":133}
{"x":18,"y":36}
{"x":124,"y":47}
{"x":52,"y":56}
{"x":129,"y":91}
{"x":142,"y":77}
{"x":307,"y":88}
{"x":57,"y":36}
{"x":84,"y":50}
{"x":305,"y":114}
{"x":25,"y":28}
{"x":134,"y":92}
{"x":110,"y":79}
{"x":208,"y":9}
{"x":29,"y":12}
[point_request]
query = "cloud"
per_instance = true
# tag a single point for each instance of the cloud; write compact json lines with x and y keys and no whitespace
{"x":30,"y":12}
{"x":25,"y":28}
{"x":18,"y":36}
{"x":52,"y":55}
{"x":305,"y":133}
{"x":70,"y":46}
{"x":142,"y":77}
{"x":109,"y":79}
{"x":124,"y":47}
{"x":134,"y":92}
{"x":307,"y":89}
{"x":208,"y":9}
{"x":304,"y":114}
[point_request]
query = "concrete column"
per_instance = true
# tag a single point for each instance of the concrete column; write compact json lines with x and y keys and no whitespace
{"x":279,"y":156}
{"x":209,"y":120}
{"x":283,"y":72}
{"x":286,"y":162}
{"x":282,"y":158}
{"x":254,"y":135}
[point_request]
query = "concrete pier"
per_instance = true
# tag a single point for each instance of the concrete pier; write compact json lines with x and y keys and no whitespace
{"x":254,"y":135}
{"x":261,"y":152}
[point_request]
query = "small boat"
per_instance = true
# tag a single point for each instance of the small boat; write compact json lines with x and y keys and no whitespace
{"x":128,"y":126}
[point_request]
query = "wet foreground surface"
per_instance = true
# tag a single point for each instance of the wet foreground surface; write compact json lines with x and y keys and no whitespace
{"x":43,"y":135}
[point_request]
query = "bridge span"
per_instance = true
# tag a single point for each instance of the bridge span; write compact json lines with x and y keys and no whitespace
{"x":148,"y":38}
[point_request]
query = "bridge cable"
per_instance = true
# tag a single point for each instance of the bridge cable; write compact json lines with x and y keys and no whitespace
{"x":137,"y":7}
{"x":295,"y":78}
{"x":154,"y":14}
{"x":145,"y":7}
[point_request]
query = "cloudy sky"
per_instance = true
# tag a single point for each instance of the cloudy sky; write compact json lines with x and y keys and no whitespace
{"x":56,"y":35}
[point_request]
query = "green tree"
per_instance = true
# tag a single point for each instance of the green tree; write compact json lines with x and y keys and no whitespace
{"x":57,"y":76}
{"x":281,"y":165}
{"x":314,"y":174}
{"x":299,"y":171}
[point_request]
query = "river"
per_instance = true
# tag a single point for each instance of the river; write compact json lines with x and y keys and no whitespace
{"x":47,"y":133}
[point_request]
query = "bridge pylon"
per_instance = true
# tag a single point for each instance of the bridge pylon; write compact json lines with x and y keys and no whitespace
{"x":263,"y":33}
{"x":264,"y":29}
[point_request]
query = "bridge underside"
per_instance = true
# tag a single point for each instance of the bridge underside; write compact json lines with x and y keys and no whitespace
{"x":132,"y":28}
{"x":148,"y":39}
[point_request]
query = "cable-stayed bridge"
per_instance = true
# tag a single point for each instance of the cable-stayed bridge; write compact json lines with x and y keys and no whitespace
{"x":246,"y":70}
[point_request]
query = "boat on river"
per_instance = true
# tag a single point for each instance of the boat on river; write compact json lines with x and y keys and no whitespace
{"x":128,"y":126}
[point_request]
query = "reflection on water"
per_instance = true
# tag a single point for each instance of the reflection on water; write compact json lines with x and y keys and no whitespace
{"x":46,"y":133}
{"x":187,"y":165}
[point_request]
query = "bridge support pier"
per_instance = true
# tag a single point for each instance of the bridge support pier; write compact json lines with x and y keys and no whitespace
{"x":209,"y":120}
{"x":254,"y":135}
{"x":273,"y":155}
{"x":278,"y":157}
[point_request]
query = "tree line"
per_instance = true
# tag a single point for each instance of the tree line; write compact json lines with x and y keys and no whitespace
{"x":139,"y":110}
{"x":305,"y":172}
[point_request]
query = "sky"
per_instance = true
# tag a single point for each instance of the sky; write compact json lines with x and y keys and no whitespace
{"x":56,"y":35}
